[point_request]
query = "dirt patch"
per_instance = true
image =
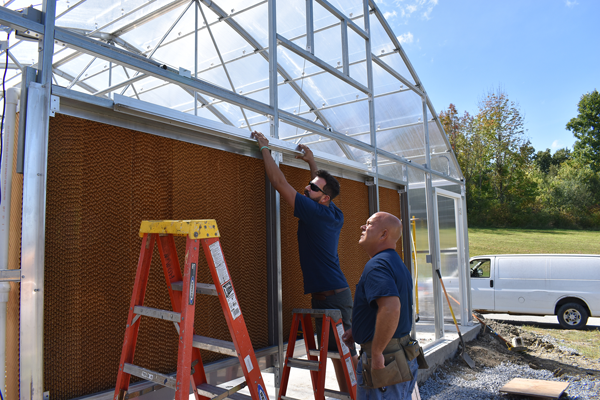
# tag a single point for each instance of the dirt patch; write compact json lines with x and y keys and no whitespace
{"x":543,"y":351}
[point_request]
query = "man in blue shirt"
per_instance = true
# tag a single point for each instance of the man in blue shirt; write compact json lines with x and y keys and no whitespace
{"x":382,"y":314}
{"x":319,"y":224}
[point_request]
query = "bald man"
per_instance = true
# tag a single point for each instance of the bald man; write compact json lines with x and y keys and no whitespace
{"x":382,"y":315}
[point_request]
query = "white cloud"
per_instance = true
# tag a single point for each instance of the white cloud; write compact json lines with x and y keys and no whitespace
{"x":388,"y":15}
{"x":406,"y":38}
{"x":555,"y":145}
{"x":571,"y":3}
{"x":423,"y":8}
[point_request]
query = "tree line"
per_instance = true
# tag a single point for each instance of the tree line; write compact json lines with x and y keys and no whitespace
{"x":509,"y":183}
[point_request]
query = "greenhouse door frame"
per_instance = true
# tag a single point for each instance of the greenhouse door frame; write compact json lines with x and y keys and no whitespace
{"x":462,"y":253}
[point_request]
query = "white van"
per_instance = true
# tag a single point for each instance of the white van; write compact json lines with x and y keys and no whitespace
{"x":565,"y":285}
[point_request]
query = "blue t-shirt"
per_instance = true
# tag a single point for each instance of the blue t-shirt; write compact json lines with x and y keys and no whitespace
{"x":319,"y":229}
{"x":384,"y":275}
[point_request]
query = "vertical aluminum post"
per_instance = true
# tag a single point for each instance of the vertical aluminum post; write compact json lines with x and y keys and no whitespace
{"x":466,"y":296}
{"x":310,"y":28}
{"x":196,"y":53}
{"x":31,"y":374}
{"x":372,"y":129}
{"x":274,"y":213}
{"x":345,"y":56}
{"x":433,"y":231}
{"x":462,"y":264}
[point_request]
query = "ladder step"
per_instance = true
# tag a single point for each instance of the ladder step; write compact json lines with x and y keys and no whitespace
{"x":149,"y":375}
{"x":288,"y":398}
{"x":330,"y":354}
{"x":214,"y":345}
{"x":201,"y":288}
{"x":337,"y":395}
{"x":217,"y":393}
{"x":304,"y":364}
{"x":333,"y":313}
{"x":157,"y":313}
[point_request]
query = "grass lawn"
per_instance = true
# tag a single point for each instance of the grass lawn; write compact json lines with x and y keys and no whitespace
{"x":483,"y":241}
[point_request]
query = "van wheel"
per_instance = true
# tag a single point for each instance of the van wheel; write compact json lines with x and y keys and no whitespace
{"x":572,"y":316}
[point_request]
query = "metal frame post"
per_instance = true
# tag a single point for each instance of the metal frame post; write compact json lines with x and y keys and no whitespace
{"x":31,"y":374}
{"x":274,"y":212}
{"x":372,"y":124}
{"x":433,"y":232}
{"x":466,"y":296}
{"x":310,"y":28}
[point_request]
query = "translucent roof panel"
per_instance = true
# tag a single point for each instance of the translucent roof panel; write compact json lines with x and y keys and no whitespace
{"x":225,"y":43}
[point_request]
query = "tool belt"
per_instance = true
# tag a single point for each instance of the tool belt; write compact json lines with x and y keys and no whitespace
{"x":322,"y":296}
{"x":397,"y":354}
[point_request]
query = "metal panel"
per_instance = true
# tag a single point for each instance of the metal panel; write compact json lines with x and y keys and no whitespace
{"x":29,"y":75}
{"x":33,"y":244}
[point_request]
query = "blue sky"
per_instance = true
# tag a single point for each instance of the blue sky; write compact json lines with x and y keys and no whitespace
{"x":544,"y":53}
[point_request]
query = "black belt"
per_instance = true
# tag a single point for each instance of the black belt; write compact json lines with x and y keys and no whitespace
{"x":323,"y":295}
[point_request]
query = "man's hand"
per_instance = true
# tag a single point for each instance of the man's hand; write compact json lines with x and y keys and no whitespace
{"x":377,"y":361}
{"x":308,"y":154}
{"x":348,"y":338}
{"x":309,"y":158}
{"x":260,"y":138}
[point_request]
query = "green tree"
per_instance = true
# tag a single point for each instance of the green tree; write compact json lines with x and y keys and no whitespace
{"x":502,"y":126}
{"x":586,"y":128}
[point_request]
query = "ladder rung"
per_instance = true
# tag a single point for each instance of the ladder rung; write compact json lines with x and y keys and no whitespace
{"x":288,"y":398}
{"x":335,"y":314}
{"x":304,"y":364}
{"x":215,"y":345}
{"x":330,"y":354}
{"x":149,"y":375}
{"x":201,"y":288}
{"x":211,"y":391}
{"x":157,"y":313}
{"x":337,"y":395}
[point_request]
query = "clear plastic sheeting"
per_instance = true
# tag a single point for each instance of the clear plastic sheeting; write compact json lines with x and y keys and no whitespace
{"x":226,"y":43}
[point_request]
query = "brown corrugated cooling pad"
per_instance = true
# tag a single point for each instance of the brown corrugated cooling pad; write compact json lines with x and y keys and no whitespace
{"x":353,"y":200}
{"x":102,"y":181}
{"x":11,"y":391}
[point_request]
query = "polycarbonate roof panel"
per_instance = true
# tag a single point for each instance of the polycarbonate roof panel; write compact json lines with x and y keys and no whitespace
{"x":232,"y":53}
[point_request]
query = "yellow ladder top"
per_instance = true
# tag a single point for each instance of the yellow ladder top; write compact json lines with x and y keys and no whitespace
{"x":195,"y":228}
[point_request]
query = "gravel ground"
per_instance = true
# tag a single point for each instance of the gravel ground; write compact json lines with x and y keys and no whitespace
{"x":445,"y":384}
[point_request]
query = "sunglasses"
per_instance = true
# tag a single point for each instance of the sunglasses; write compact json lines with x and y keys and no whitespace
{"x":315,"y":188}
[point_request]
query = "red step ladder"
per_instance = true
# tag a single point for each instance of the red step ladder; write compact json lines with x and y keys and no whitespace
{"x":317,"y":358}
{"x":182,"y":291}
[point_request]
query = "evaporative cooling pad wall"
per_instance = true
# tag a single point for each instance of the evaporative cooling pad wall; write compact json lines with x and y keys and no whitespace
{"x":102,"y":181}
{"x":354,"y":203}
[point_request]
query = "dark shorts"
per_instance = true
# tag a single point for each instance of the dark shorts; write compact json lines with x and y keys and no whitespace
{"x":341,"y":301}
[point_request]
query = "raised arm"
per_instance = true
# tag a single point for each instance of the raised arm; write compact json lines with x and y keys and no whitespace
{"x":276,"y":177}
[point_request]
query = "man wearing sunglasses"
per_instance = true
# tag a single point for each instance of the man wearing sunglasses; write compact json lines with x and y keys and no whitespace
{"x":319,"y":224}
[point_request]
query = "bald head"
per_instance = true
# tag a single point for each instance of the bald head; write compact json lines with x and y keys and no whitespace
{"x":381,"y":232}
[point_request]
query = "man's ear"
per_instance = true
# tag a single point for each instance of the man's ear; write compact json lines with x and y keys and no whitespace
{"x":384,"y":234}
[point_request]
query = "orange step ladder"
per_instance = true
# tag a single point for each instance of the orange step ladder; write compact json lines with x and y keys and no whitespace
{"x":182,"y":291}
{"x":316,"y":361}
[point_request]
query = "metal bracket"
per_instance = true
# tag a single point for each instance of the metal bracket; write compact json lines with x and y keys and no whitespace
{"x":54,"y":105}
{"x":370,"y":181}
{"x":185,"y":73}
{"x":10,"y":275}
{"x":428,"y":258}
{"x":3,"y":45}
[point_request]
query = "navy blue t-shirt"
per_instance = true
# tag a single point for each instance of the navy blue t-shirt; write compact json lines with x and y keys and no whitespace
{"x":319,"y":229}
{"x":384,"y":275}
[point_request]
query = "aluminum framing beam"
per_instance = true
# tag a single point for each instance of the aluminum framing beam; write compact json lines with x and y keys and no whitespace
{"x":372,"y":124}
{"x":396,"y":75}
{"x":310,"y":27}
{"x":329,"y":7}
{"x":294,"y":48}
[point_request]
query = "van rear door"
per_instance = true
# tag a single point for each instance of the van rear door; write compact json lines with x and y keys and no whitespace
{"x":482,"y":284}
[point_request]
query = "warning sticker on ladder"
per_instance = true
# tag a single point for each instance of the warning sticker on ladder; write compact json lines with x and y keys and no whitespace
{"x":217,"y":255}
{"x":350,"y":371}
{"x":248,"y":361}
{"x":234,"y":307}
{"x":340,"y":332}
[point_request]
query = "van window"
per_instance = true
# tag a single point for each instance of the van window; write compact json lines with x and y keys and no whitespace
{"x":480,"y":268}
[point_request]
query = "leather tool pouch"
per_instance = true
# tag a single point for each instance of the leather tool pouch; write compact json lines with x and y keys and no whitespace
{"x":396,"y":370}
{"x":413,"y":350}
